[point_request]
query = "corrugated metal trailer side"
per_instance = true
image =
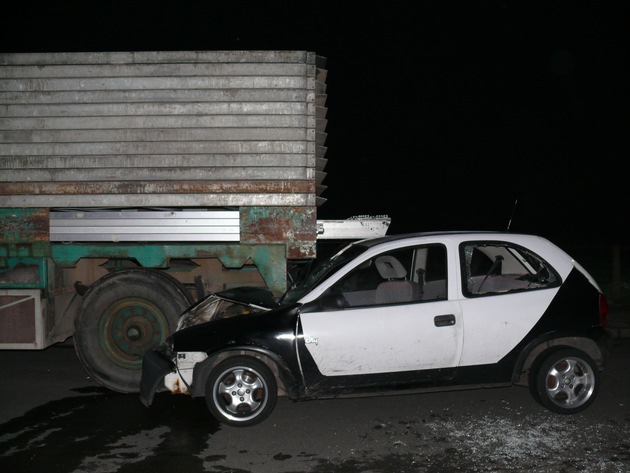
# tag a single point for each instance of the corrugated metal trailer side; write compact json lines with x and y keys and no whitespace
{"x":181,"y":129}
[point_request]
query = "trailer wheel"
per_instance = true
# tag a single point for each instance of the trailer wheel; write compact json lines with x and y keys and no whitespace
{"x":123,"y":315}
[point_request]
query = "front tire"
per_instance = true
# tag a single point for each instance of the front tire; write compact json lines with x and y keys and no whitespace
{"x":123,"y":315}
{"x":565,"y":382}
{"x":241,"y":391}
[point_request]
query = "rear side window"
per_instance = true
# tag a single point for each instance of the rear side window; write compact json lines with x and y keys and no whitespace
{"x":490,"y":267}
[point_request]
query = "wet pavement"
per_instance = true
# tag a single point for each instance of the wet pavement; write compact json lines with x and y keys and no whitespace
{"x":82,"y":427}
{"x":106,"y":432}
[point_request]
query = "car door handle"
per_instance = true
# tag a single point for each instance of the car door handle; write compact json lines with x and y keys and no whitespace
{"x":444,"y":320}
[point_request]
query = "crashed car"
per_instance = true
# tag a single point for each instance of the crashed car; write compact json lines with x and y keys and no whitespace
{"x":397,"y":314}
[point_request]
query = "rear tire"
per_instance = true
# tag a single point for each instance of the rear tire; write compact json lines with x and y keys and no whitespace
{"x":566,"y":381}
{"x":123,"y":315}
{"x":241,"y":391}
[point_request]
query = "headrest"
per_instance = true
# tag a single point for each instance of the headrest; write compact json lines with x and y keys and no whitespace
{"x":389,"y":267}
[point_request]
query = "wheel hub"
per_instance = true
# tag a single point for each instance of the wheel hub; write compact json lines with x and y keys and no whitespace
{"x":129,"y":328}
{"x":134,"y":333}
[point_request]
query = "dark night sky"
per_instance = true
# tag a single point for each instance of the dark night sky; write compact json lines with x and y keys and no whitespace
{"x":440,"y":115}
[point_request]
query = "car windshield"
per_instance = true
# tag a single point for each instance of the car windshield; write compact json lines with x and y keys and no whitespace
{"x":320,"y":271}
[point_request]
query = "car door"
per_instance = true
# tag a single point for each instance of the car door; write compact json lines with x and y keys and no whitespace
{"x":506,"y":290}
{"x":387,"y":322}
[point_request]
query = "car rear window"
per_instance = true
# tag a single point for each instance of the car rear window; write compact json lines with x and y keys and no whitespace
{"x":498,"y":267}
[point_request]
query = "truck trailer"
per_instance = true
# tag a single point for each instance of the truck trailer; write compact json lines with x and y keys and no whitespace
{"x":134,"y":184}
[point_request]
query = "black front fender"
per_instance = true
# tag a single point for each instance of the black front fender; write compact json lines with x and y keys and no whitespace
{"x":278,"y":366}
{"x":154,"y":367}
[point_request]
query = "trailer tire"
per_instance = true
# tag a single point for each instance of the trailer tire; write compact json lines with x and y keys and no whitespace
{"x":123,"y":315}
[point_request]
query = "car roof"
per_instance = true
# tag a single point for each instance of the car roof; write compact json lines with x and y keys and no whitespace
{"x":403,"y":236}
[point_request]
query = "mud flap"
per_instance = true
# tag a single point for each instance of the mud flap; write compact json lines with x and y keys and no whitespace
{"x":154,"y":367}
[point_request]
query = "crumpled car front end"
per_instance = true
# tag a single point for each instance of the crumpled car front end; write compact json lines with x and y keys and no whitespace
{"x":164,"y":368}
{"x":219,"y":306}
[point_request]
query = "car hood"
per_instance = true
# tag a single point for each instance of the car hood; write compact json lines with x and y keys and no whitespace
{"x":249,"y":295}
{"x":240,"y":301}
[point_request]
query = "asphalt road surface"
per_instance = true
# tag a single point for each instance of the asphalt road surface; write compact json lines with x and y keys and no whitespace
{"x":55,"y":419}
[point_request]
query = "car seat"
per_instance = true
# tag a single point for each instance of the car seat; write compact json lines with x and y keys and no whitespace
{"x":395,"y":287}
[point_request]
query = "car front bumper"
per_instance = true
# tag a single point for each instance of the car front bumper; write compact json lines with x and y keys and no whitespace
{"x":155,"y":366}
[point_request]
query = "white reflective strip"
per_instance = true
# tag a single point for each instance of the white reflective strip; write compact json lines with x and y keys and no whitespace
{"x":20,"y":301}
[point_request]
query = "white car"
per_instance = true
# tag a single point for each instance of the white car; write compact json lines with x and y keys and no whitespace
{"x":396,"y":314}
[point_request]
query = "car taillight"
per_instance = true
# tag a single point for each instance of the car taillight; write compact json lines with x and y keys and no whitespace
{"x":603,"y":311}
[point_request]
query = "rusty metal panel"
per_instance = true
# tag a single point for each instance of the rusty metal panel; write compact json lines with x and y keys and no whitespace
{"x":23,"y":225}
{"x":116,"y":128}
{"x":142,"y":194}
{"x":165,"y":200}
{"x":294,"y":226}
{"x":163,"y":161}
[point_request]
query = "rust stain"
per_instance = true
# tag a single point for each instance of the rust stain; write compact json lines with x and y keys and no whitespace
{"x":157,"y":187}
{"x":24,"y":225}
{"x":296,"y":227}
{"x":178,"y":388}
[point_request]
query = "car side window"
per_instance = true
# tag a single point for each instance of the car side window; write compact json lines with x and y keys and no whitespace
{"x":498,"y":267}
{"x":406,"y":275}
